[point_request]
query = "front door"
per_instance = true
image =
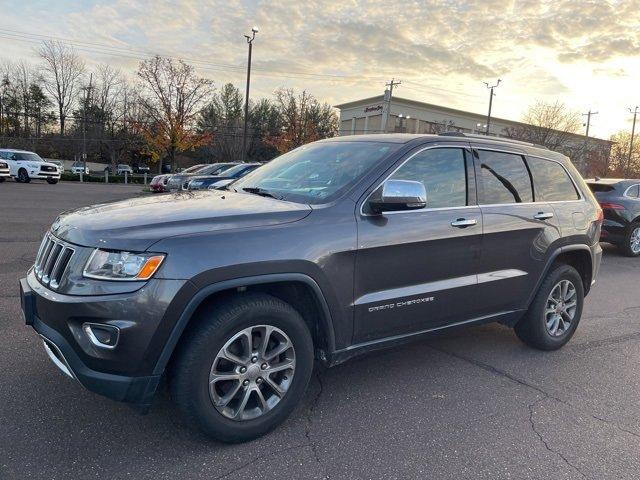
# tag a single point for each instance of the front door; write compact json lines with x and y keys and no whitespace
{"x":416,"y":270}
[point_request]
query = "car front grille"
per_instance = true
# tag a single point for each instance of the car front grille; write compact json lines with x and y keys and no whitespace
{"x":52,"y":261}
{"x":48,"y":168}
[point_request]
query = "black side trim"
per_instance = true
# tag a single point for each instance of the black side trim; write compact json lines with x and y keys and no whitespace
{"x":552,"y":258}
{"x":135,"y":390}
{"x":198,"y":298}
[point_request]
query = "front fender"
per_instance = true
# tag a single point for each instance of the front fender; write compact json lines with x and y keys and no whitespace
{"x":203,"y":292}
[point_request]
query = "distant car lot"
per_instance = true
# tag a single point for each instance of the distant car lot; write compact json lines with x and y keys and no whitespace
{"x":471,"y":404}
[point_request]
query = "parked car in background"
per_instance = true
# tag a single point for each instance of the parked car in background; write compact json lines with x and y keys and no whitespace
{"x":57,"y":163}
{"x":620,"y":201}
{"x":158,"y":184}
{"x":4,"y":171}
{"x":25,"y":166}
{"x":141,"y":168}
{"x":79,"y":167}
{"x":204,"y":182}
{"x":232,"y":297}
{"x":177,"y":180}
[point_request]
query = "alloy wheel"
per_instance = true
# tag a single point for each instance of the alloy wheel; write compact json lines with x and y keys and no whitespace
{"x":561,"y":308}
{"x":252,"y":372}
{"x":635,"y":241}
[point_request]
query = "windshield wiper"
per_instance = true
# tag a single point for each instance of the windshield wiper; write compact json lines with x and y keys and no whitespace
{"x":260,"y":191}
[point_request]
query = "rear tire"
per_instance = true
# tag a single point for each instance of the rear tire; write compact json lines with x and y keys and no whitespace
{"x":547,"y":325}
{"x":630,"y":246}
{"x":23,"y":176}
{"x":200,"y":357}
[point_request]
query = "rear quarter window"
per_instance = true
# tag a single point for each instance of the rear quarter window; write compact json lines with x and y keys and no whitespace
{"x":551,"y":182}
{"x":600,"y":188}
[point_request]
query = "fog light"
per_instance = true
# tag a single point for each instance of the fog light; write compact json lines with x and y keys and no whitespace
{"x":102,"y":336}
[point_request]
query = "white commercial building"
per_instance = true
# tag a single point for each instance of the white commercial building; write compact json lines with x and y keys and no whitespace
{"x":410,"y":116}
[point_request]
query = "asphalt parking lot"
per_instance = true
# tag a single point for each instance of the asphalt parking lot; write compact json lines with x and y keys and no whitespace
{"x":475,"y":403}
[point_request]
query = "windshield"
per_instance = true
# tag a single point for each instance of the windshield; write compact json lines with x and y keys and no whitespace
{"x":230,"y":172}
{"x":315,"y":173}
{"x":31,"y":157}
{"x":195,"y":168}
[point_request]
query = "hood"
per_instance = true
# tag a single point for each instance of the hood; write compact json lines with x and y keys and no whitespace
{"x":137,"y":223}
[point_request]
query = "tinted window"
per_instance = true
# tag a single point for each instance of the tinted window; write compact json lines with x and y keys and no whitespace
{"x":600,"y":187}
{"x":551,"y":181}
{"x":442,"y":171}
{"x":505,"y":178}
{"x":634,"y":191}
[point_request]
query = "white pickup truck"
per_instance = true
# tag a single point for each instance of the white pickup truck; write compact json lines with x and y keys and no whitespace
{"x":25,"y":166}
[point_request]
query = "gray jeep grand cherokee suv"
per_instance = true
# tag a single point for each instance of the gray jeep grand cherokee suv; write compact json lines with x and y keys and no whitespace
{"x":333,"y":249}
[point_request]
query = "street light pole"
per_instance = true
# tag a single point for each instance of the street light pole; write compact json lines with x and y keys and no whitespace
{"x":491,"y":94}
{"x":250,"y":39}
{"x":633,"y":132}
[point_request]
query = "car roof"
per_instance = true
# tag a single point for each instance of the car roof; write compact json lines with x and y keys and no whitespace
{"x":15,"y":150}
{"x":526,"y":147}
{"x":613,"y":181}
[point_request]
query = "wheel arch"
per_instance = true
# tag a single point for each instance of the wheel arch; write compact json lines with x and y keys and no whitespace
{"x":312,"y":305}
{"x":578,"y":256}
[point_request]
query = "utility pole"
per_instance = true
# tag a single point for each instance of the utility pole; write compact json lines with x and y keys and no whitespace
{"x":250,"y":40}
{"x":491,"y":95}
{"x":386,"y":108}
{"x":84,"y":122}
{"x":633,"y":132}
{"x":583,"y":161}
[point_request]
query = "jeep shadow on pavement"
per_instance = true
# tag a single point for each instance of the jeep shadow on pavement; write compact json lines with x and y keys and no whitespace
{"x":338,"y":247}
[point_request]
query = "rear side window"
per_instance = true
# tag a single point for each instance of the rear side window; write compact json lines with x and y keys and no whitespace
{"x":551,"y":181}
{"x":634,"y":191}
{"x":443,"y":173}
{"x":601,"y":187}
{"x":505,"y":178}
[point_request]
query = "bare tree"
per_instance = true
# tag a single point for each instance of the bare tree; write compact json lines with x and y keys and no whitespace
{"x":172,"y":96}
{"x":304,"y":119}
{"x":63,"y":71}
{"x":548,"y":124}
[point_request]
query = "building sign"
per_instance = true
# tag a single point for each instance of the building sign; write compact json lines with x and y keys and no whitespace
{"x":376,"y":108}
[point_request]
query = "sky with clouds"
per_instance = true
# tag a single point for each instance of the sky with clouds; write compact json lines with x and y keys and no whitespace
{"x":584,"y":53}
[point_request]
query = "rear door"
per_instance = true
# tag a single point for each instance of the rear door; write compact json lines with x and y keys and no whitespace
{"x":518,"y":231}
{"x":416,"y":270}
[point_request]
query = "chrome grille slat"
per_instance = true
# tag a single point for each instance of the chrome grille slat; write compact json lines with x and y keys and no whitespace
{"x":52,"y":261}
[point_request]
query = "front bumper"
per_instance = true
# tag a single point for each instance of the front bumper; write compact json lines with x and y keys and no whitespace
{"x":44,"y":175}
{"x":124,"y":373}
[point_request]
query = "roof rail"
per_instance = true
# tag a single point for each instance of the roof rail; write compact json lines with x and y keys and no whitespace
{"x":487,"y":137}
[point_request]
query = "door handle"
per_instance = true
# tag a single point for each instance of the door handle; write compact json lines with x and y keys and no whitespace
{"x":543,"y":216}
{"x":464,"y":223}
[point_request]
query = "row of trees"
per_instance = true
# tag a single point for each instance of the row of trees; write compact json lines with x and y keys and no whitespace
{"x":559,"y":128}
{"x":163,"y":112}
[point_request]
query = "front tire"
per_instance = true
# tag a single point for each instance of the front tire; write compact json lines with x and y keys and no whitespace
{"x":242,"y":367}
{"x":555,"y":312}
{"x":23,"y":176}
{"x":52,"y":181}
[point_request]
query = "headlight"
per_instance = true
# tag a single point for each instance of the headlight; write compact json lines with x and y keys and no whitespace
{"x":105,"y":265}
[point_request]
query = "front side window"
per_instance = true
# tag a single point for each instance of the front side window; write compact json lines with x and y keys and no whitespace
{"x":443,"y":173}
{"x":323,"y":171}
{"x":505,"y":178}
{"x":551,"y":181}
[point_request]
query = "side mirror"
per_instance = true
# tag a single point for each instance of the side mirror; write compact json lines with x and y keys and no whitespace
{"x":399,"y":195}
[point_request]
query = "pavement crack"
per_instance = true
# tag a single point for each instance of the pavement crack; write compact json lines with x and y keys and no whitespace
{"x":259,"y":458}
{"x":496,"y":371}
{"x":310,"y":412}
{"x":307,"y":433}
{"x":544,"y":442}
